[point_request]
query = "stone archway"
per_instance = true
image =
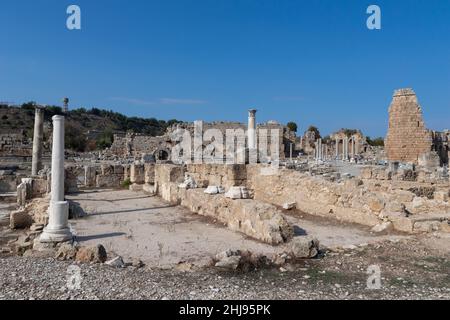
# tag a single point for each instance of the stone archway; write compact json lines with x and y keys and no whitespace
{"x":162,"y":154}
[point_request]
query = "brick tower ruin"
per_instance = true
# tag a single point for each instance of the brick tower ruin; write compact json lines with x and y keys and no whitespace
{"x":407,"y":138}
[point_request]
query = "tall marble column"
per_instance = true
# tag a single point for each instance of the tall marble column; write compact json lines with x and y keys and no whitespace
{"x":337,"y":148}
{"x":57,"y":229}
{"x":38,"y":137}
{"x":251,"y":131}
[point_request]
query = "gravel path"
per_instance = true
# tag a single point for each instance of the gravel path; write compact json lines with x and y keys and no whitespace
{"x":335,"y":276}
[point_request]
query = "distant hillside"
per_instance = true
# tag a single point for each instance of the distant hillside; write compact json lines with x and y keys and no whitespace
{"x":86,"y":130}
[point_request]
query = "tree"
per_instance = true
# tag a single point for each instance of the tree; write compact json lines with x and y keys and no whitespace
{"x":315,"y":130}
{"x":377,"y":142}
{"x":292,"y":126}
{"x":75,"y":138}
{"x":106,"y":139}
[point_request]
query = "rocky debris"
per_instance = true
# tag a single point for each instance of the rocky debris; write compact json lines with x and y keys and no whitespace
{"x":423,"y":192}
{"x":66,"y":251}
{"x":382,"y":227}
{"x":441,"y":196}
{"x":214,"y":190}
{"x":238,"y":193}
{"x":20,"y":219}
{"x":37,"y":227}
{"x":137,"y":263}
{"x":188,"y":183}
{"x":289,"y":205}
{"x":38,"y":210}
{"x":303,"y":247}
{"x":76,"y":211}
{"x":95,"y":254}
{"x":22,"y":244}
{"x":117,"y":262}
{"x":233,"y":260}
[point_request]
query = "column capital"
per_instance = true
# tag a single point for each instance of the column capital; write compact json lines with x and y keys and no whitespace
{"x":252,"y":112}
{"x":58,"y":118}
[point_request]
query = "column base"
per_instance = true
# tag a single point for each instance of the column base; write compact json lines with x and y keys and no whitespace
{"x":57,"y":229}
{"x":61,"y":235}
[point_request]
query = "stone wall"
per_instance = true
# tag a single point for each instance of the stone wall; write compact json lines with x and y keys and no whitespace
{"x":15,"y":144}
{"x":407,"y":137}
{"x":136,"y":145}
{"x":363,"y":201}
{"x":256,"y":219}
{"x":218,"y":175}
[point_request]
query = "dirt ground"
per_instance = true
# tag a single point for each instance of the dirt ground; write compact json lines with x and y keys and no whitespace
{"x":134,"y":225}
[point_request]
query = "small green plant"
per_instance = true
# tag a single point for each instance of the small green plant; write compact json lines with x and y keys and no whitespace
{"x":126,"y":184}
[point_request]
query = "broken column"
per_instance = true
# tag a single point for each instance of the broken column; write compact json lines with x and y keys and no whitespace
{"x":57,"y":229}
{"x":38,"y":137}
{"x":251,"y":129}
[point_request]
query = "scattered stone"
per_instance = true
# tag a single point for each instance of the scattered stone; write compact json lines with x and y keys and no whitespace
{"x":349,"y":247}
{"x":96,"y":254}
{"x":304,"y":247}
{"x":20,"y":220}
{"x":37,"y":227}
{"x":289,"y":205}
{"x":214,"y":190}
{"x":66,"y":251}
{"x":76,"y":211}
{"x":117,"y":262}
{"x":137,"y":263}
{"x":382,"y":227}
{"x":188,"y":183}
{"x":229,"y":263}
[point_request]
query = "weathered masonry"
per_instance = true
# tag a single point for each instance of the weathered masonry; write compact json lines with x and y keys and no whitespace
{"x":408,"y":140}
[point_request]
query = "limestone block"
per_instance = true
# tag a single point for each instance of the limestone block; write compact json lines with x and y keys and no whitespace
{"x":149,"y":173}
{"x":189,"y":183}
{"x":107,"y":170}
{"x":427,"y":226}
{"x":96,"y":254}
{"x":214,"y":190}
{"x":441,"y":196}
{"x":366,"y":173}
{"x":109,"y":181}
{"x":402,"y":224}
{"x":118,"y":169}
{"x":20,"y":220}
{"x":382,"y":227}
{"x":90,"y":173}
{"x":148,"y":189}
{"x":137,"y":173}
{"x":237,"y":193}
{"x":304,"y":247}
{"x":376,"y":203}
{"x":253,"y":218}
{"x":136,"y":187}
{"x":289,"y":205}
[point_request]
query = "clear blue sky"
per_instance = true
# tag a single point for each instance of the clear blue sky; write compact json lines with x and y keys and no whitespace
{"x":313,"y":62}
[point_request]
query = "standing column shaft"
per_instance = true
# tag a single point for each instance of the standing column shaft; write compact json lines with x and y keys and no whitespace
{"x":38,"y":137}
{"x":251,"y":129}
{"x":337,"y":148}
{"x":57,"y":229}
{"x":57,"y":191}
